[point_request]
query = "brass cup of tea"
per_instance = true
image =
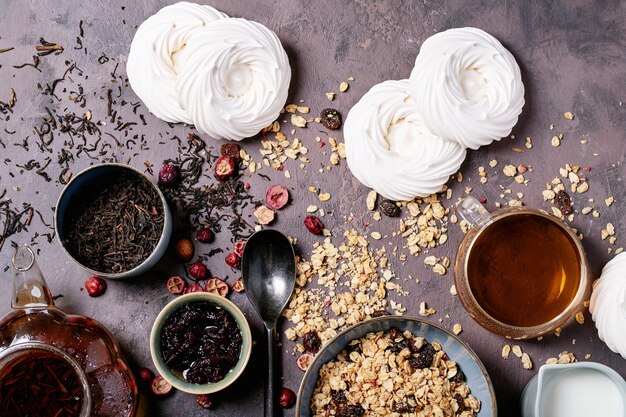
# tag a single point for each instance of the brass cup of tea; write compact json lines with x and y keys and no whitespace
{"x":519,"y":272}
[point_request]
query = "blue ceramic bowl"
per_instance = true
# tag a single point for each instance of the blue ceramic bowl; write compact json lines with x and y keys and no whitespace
{"x":458,"y":351}
{"x":76,"y":189}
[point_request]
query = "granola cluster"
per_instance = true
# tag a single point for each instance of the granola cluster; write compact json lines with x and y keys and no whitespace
{"x":392,"y":374}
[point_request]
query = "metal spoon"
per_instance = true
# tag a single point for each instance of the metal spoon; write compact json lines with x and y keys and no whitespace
{"x":269,"y":277}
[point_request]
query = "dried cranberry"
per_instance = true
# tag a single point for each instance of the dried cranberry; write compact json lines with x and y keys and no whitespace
{"x":331,"y":119}
{"x":389,"y":208}
{"x":239,"y":246}
{"x":230,"y":150}
{"x":287,"y":398}
{"x":314,"y":225}
{"x":238,"y":286}
{"x":160,"y":386}
{"x":205,"y":235}
{"x":304,"y":361}
{"x":205,"y":401}
{"x":352,"y":411}
{"x":145,"y":375}
{"x":233,"y":260}
{"x":311,"y":342}
{"x":95,"y":286}
{"x":169,"y":175}
{"x":224,"y":168}
{"x":195,"y":287}
{"x":564,"y":202}
{"x":216,"y":286}
{"x":277,"y":197}
{"x":176,"y":285}
{"x":460,"y":403}
{"x":198,"y":270}
{"x":184,"y":250}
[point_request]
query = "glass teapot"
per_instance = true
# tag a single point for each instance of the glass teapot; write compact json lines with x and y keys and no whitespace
{"x":75,"y":356}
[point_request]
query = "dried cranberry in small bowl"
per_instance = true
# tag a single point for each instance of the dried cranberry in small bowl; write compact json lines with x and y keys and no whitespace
{"x":169,"y":175}
{"x":160,"y":386}
{"x":277,"y":197}
{"x":233,"y":260}
{"x":205,"y":235}
{"x":145,"y":375}
{"x":239,"y":246}
{"x":195,"y":287}
{"x":176,"y":285}
{"x":224,"y":168}
{"x":314,"y":225}
{"x":95,"y":286}
{"x":287,"y":398}
{"x":198,"y":270}
{"x":216,"y":286}
{"x":184,"y":249}
{"x":205,"y":401}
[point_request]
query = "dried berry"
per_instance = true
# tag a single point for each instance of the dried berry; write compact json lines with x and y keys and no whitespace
{"x":195,"y":287}
{"x":459,"y":377}
{"x":239,"y":246}
{"x":563,"y":202}
{"x":145,"y":375}
{"x":95,"y":286}
{"x":160,"y":386}
{"x":331,"y":119}
{"x":264,"y":215}
{"x":314,"y":225}
{"x":424,"y":359}
{"x":277,"y":197}
{"x":205,"y":235}
{"x":233,"y":260}
{"x":184,"y":250}
{"x":304,"y":361}
{"x":403,"y":407}
{"x":352,"y":411}
{"x":230,"y":150}
{"x":169,"y":175}
{"x":198,"y":270}
{"x":216,"y":286}
{"x":311,"y":342}
{"x":205,"y":401}
{"x":238,"y":286}
{"x":338,"y":396}
{"x":287,"y":398}
{"x":389,"y":208}
{"x":379,"y":313}
{"x":224,"y":168}
{"x":460,"y":403}
{"x":176,"y":285}
{"x":394,"y":333}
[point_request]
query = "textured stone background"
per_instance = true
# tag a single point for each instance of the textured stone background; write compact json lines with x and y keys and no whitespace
{"x":573,"y":58}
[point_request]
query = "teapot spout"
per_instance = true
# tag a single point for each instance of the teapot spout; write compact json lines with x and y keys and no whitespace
{"x":29,"y":286}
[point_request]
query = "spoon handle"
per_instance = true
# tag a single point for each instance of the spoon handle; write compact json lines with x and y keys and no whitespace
{"x":270,"y":393}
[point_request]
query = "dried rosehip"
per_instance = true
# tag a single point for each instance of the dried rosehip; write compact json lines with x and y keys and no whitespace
{"x":311,"y":342}
{"x":205,"y":235}
{"x":264,"y":215}
{"x":160,"y":386}
{"x":277,"y":197}
{"x":195,"y":287}
{"x":224,"y":168}
{"x":239,"y":246}
{"x":205,"y":401}
{"x":287,"y":398}
{"x":216,"y":286}
{"x":331,"y":119}
{"x":314,"y":225}
{"x":184,"y":250}
{"x":176,"y":285}
{"x":389,"y":208}
{"x":238,"y":286}
{"x":304,"y":361}
{"x":233,"y":260}
{"x":145,"y":374}
{"x":169,"y":175}
{"x":198,"y":270}
{"x":95,"y":286}
{"x":230,"y":150}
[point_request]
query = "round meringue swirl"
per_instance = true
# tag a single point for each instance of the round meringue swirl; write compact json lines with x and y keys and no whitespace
{"x":608,"y":304}
{"x":467,"y":86}
{"x":233,"y":78}
{"x":390,"y":149}
{"x":151,"y":65}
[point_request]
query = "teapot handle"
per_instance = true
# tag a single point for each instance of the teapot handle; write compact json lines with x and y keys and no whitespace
{"x":474,"y":213}
{"x":29,"y":286}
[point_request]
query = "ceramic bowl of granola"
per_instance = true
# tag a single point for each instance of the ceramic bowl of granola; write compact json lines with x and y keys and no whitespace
{"x":396,"y":366}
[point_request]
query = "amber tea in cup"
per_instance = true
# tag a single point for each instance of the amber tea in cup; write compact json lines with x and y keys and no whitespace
{"x":519,"y":272}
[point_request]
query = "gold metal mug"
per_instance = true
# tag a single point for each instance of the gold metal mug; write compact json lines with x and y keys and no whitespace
{"x":478,"y":220}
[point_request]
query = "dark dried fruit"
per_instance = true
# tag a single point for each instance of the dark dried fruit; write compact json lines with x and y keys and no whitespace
{"x":563,"y":202}
{"x":238,"y":286}
{"x":397,"y":347}
{"x":205,"y":401}
{"x":311,"y":342}
{"x":224,"y":168}
{"x":216,"y":286}
{"x":338,"y":396}
{"x":314,"y":225}
{"x":184,"y":250}
{"x":176,"y":285}
{"x":95,"y":286}
{"x":394,"y":333}
{"x":459,"y":377}
{"x":145,"y":375}
{"x":352,"y":411}
{"x":403,"y":407}
{"x":277,"y":197}
{"x":205,"y":235}
{"x":230,"y":150}
{"x":287,"y":398}
{"x":233,"y":260}
{"x":460,"y":403}
{"x":195,"y":287}
{"x":160,"y":386}
{"x":169,"y":175}
{"x":239,"y":246}
{"x":424,"y":359}
{"x":198,"y":270}
{"x":389,"y":208}
{"x":331,"y":119}
{"x":379,"y":313}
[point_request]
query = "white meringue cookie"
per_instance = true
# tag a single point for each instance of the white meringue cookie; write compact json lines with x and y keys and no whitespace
{"x":608,"y":304}
{"x":467,"y":86}
{"x":233,"y":78}
{"x":389,"y":149}
{"x":151,"y":65}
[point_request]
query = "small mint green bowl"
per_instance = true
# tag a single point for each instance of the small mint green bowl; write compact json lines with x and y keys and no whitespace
{"x":177,"y":381}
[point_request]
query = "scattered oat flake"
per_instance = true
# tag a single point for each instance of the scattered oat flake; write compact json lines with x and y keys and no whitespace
{"x":555,"y":141}
{"x":580,"y":317}
{"x":509,"y":170}
{"x":568,"y":115}
{"x":375,"y":235}
{"x":330,"y":96}
{"x":457,"y":328}
{"x":370,"y":201}
{"x":311,"y":209}
{"x":609,"y":200}
{"x":343,"y":87}
{"x":298,"y":120}
{"x":517,"y":351}
{"x":506,"y":349}
{"x":526,"y":362}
